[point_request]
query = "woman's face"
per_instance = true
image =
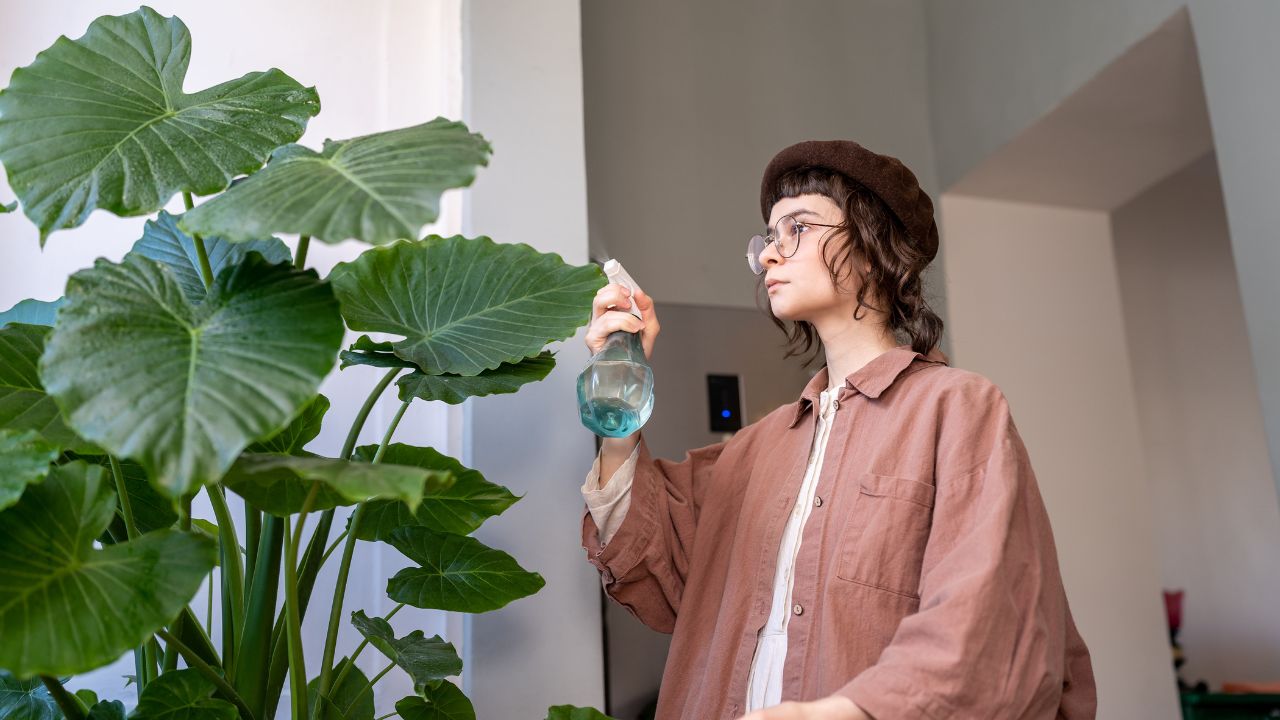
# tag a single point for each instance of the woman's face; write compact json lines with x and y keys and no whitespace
{"x":800,"y":286}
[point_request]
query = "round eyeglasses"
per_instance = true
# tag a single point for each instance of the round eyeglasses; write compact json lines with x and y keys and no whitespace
{"x":786,"y":233}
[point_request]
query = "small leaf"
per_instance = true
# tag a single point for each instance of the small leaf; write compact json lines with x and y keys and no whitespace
{"x":66,"y":607}
{"x":32,"y":312}
{"x":107,"y":710}
{"x":102,"y":122}
{"x":424,"y":658}
{"x":348,"y":699}
{"x":24,"y":405}
{"x":279,"y":484}
{"x":182,"y":695}
{"x":376,"y":188}
{"x":163,"y":242}
{"x":8,"y":208}
{"x":463,"y":305}
{"x":87,"y":696}
{"x":569,"y":712}
{"x":301,"y":430}
{"x":151,"y":510}
{"x":26,"y":699}
{"x":442,"y":702}
{"x":184,"y":389}
{"x":24,"y":459}
{"x":459,"y":508}
{"x":457,"y":573}
{"x":453,"y":389}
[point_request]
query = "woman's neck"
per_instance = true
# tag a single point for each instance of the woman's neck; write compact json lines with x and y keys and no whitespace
{"x":851,"y":346}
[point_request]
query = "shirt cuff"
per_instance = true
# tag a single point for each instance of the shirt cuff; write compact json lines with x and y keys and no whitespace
{"x":608,"y":505}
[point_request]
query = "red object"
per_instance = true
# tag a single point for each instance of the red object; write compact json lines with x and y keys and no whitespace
{"x":1173,"y":608}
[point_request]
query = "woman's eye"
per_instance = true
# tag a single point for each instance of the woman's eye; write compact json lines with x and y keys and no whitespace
{"x":801,"y":227}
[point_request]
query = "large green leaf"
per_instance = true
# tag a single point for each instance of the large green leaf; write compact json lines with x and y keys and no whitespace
{"x":182,"y":695}
{"x":464,"y":305}
{"x":364,"y":351}
{"x":26,"y":699}
{"x":162,"y":241}
{"x":443,"y":701}
{"x":424,"y":658}
{"x":32,"y":312}
{"x":459,"y":508}
{"x":102,"y":122}
{"x":106,"y":710}
{"x":151,"y":510}
{"x":183,"y":389}
{"x":453,"y":389}
{"x":279,"y":484}
{"x":303,"y":429}
{"x":24,"y":459}
{"x":348,"y":699}
{"x":66,"y":607}
{"x":23,"y":402}
{"x":457,"y":573}
{"x":570,"y":712}
{"x":376,"y":188}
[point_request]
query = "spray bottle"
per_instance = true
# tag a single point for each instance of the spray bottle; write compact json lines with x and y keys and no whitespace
{"x":615,"y":390}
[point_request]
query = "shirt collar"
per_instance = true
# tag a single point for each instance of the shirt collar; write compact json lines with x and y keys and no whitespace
{"x":871,"y":379}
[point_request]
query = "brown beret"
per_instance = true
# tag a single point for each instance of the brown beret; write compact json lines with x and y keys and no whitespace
{"x":883,"y":175}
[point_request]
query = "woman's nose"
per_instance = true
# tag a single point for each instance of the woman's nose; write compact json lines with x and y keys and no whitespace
{"x":770,"y":255}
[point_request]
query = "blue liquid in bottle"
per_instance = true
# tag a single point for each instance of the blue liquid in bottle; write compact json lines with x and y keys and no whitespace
{"x":615,"y":390}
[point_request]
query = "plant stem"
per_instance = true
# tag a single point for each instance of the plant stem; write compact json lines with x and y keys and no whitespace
{"x":170,"y":652}
{"x":300,"y":257}
{"x":384,"y":717}
{"x":122,"y":490}
{"x":348,"y":549}
{"x":337,"y":682}
{"x":232,"y":571}
{"x":69,"y":703}
{"x":297,"y":663}
{"x":206,"y":270}
{"x":369,"y":687}
{"x":334,"y":546}
{"x":358,"y":424}
{"x":252,"y":532}
{"x":208,"y":618}
{"x":195,"y":662}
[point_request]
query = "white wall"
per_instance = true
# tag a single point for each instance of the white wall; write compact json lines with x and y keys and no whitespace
{"x":1036,"y":308}
{"x":1208,"y":473}
{"x":524,"y":93}
{"x":394,"y":63}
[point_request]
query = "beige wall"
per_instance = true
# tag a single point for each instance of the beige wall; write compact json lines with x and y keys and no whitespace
{"x":1209,"y":476}
{"x":1036,"y":308}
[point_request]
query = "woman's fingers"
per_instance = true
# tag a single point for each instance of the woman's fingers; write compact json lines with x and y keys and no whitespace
{"x":610,"y":312}
{"x":608,"y":323}
{"x":610,"y":297}
{"x":649,"y":335}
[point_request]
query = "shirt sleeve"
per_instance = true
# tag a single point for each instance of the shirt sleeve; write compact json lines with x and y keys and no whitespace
{"x":608,"y":504}
{"x":646,"y":562}
{"x":993,"y":635}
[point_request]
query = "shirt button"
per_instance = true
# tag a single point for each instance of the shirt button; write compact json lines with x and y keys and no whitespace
{"x":835,"y":404}
{"x":797,"y":609}
{"x":817,"y":501}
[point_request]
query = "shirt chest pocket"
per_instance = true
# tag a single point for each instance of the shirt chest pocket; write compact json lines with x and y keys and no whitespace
{"x":882,"y":544}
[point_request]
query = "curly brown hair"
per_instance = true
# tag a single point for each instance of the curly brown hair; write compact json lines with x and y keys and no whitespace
{"x":873,"y":232}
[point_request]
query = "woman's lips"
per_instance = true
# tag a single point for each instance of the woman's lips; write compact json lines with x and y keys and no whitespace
{"x":769,"y":286}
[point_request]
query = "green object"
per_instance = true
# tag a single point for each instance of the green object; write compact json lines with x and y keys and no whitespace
{"x":24,"y":404}
{"x":1230,"y":706}
{"x":463,"y":305}
{"x":570,"y":712}
{"x":182,"y":695}
{"x":456,"y":573}
{"x":24,"y":459}
{"x":459,"y":508}
{"x":280,"y":483}
{"x":442,"y":701}
{"x":424,"y":658}
{"x":32,"y":312}
{"x":348,"y":700}
{"x":212,"y":381}
{"x":26,"y":699}
{"x":376,"y":188}
{"x":454,"y":389}
{"x":66,"y":607}
{"x":102,"y":122}
{"x":301,"y":430}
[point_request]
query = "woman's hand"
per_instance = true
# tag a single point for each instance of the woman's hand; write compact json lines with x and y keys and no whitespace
{"x":836,"y":707}
{"x":610,"y":313}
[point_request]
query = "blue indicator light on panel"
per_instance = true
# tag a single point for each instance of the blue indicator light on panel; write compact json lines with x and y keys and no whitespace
{"x":725,"y":413}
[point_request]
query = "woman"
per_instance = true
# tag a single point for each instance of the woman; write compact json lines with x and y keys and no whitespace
{"x":876,"y":549}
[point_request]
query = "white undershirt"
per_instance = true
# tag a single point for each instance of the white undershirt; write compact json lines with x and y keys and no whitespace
{"x":608,"y":507}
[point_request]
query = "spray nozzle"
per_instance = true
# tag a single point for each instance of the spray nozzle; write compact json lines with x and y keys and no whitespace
{"x":618,"y":276}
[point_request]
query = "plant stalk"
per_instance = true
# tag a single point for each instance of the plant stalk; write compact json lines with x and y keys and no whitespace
{"x":344,"y":570}
{"x":68,"y":703}
{"x":126,"y":505}
{"x":357,"y":425}
{"x":232,"y":574}
{"x":206,"y":270}
{"x":300,"y":257}
{"x":372,"y":682}
{"x":297,"y":663}
{"x":197,"y":663}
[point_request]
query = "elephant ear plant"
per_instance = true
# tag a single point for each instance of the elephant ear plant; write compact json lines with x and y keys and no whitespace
{"x":192,"y":366}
